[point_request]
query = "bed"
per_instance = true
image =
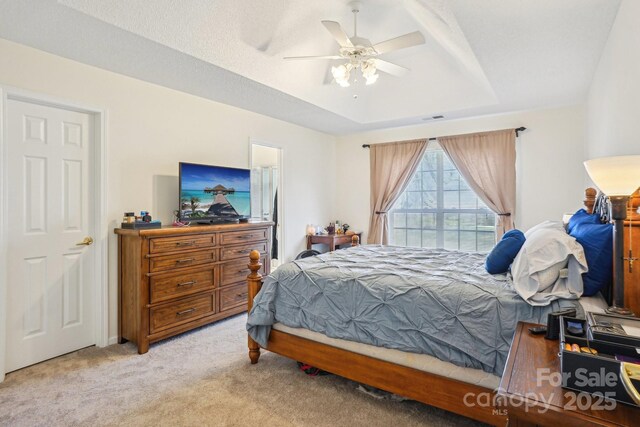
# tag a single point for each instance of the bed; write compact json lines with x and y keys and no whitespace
{"x":441,"y":339}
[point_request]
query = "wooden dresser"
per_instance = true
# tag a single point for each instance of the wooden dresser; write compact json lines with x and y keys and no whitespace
{"x":171,"y":280}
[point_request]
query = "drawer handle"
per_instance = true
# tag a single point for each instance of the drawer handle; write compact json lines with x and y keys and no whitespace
{"x":245,"y":237}
{"x":184,"y":261}
{"x":191,"y":283}
{"x":187,"y":311}
{"x":191,"y":243}
{"x":244,"y":270}
{"x":243,"y":295}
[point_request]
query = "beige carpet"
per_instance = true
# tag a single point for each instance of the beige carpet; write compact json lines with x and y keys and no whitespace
{"x":201,"y":378}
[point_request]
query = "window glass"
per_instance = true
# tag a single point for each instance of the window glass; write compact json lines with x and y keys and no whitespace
{"x":439,"y":210}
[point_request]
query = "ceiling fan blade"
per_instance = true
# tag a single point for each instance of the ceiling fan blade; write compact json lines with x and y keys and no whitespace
{"x":408,"y":40}
{"x":338,"y":33}
{"x":314,"y":57}
{"x":390,"y":68}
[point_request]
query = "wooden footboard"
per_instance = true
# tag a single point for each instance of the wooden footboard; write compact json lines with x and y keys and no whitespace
{"x":451,"y":395}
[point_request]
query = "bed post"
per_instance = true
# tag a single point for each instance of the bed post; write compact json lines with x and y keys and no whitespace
{"x":590,"y":199}
{"x":254,"y":281}
{"x":355,"y":240}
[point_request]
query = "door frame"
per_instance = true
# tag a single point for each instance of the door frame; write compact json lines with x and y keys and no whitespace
{"x":99,"y":189}
{"x":281,"y":215}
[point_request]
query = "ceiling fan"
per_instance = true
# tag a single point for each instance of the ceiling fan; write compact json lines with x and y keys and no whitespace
{"x":360,"y":53}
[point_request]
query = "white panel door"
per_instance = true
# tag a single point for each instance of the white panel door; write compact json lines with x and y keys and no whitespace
{"x":50,"y":292}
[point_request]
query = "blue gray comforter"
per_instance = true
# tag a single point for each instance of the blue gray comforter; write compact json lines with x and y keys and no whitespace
{"x":437,"y":302}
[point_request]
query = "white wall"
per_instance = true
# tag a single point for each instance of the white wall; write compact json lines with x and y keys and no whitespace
{"x":613,"y":106}
{"x":263,"y":156}
{"x":550,"y":174}
{"x":151,"y":128}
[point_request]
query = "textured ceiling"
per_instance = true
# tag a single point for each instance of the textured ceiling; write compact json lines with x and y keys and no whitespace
{"x":476,"y":60}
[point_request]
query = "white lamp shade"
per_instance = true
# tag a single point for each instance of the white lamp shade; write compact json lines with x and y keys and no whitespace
{"x":615,"y":176}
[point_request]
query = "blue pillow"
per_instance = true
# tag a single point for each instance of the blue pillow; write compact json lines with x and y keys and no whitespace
{"x":503,"y":254}
{"x":582,"y":217}
{"x":597,"y":242}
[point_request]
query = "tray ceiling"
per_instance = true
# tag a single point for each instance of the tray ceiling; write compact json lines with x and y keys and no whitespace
{"x":476,"y":60}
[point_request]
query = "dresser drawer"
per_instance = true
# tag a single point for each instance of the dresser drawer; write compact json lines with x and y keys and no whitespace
{"x":237,"y":271}
{"x":184,"y":259}
{"x":172,"y":244}
{"x":183,"y":311}
{"x":241,"y":251}
{"x":236,"y":237}
{"x":167,"y":287}
{"x":233,"y":296}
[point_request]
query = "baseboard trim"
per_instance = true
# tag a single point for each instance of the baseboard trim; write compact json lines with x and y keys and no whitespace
{"x":112,"y":340}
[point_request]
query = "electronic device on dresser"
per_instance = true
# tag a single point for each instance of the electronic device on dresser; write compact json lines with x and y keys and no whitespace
{"x":213,"y":194}
{"x":171,"y":280}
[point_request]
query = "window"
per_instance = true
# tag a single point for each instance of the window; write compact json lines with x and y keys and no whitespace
{"x":439,"y":210}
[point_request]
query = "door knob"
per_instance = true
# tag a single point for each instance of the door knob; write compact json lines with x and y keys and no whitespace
{"x":86,"y":242}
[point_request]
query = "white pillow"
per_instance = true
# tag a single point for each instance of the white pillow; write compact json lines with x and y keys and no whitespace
{"x":549,"y":275}
{"x":536,"y":271}
{"x":558,"y":225}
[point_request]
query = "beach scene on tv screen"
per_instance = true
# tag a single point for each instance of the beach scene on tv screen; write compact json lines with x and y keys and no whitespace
{"x":214,"y":192}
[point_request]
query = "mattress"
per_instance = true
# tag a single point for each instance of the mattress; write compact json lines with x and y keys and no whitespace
{"x":423,"y":362}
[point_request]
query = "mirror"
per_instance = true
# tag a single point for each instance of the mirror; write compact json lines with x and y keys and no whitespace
{"x":266,"y":193}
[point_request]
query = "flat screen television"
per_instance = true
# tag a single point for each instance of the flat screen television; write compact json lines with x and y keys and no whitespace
{"x":214,"y":194}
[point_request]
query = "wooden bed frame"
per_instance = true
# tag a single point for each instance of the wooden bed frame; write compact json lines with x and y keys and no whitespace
{"x":431,"y":389}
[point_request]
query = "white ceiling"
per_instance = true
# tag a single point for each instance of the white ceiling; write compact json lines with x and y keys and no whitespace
{"x":480,"y":57}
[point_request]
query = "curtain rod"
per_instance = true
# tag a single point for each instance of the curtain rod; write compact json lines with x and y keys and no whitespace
{"x":518,"y":130}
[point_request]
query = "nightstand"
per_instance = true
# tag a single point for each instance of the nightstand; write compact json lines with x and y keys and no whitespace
{"x":531,"y":394}
{"x":333,"y":240}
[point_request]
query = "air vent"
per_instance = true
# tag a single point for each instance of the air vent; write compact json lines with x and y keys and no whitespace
{"x":427,"y":119}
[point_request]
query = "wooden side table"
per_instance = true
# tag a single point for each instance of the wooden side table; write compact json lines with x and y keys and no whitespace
{"x":531,"y":393}
{"x":333,"y":240}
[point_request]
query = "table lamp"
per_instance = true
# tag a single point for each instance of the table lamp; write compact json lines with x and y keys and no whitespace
{"x":618,"y":178}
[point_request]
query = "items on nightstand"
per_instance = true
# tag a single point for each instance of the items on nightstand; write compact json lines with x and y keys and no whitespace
{"x":311,"y":230}
{"x":553,"y":322}
{"x":531,"y":388}
{"x":331,"y":229}
{"x":593,"y":356}
{"x":617,"y":329}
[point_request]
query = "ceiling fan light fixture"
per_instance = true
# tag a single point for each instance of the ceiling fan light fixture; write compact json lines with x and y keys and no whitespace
{"x":343,"y":83}
{"x":360,"y":53}
{"x":341,"y":74}
{"x":371,"y":80}
{"x":369,"y":71}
